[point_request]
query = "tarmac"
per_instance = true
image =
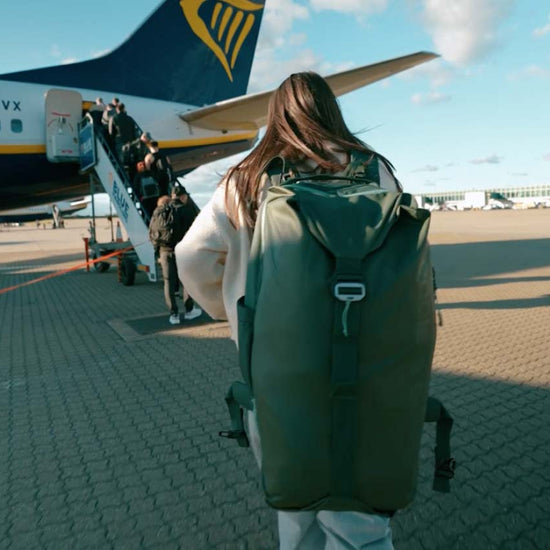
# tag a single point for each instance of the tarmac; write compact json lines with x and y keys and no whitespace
{"x":110,"y":415}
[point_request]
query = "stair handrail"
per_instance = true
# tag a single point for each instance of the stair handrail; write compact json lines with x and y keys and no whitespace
{"x":101,"y":136}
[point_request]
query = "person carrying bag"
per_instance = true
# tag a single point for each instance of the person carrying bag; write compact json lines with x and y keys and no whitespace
{"x":321,"y":264}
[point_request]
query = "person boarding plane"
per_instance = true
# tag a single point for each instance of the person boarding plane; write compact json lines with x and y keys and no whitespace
{"x":189,"y":93}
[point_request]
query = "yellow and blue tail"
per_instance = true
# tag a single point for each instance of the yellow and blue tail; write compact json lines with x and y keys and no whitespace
{"x":189,"y":51}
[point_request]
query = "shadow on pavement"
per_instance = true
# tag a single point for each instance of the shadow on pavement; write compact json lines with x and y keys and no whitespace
{"x":126,"y":453}
{"x":16,"y":266}
{"x":468,"y":264}
{"x":159,"y":323}
{"x":542,"y":301}
{"x":500,"y":497}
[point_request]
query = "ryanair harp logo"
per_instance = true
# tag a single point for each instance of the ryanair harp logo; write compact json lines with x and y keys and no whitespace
{"x":229,"y":25}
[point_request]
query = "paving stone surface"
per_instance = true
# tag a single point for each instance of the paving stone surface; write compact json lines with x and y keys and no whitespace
{"x":108,"y":436}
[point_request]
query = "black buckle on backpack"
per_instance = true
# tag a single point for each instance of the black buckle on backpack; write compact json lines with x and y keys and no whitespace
{"x":446,"y":468}
{"x":349,"y":291}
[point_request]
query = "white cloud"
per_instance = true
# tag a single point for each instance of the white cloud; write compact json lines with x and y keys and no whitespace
{"x":297,"y":39}
{"x":491,"y":159}
{"x":279,"y":51}
{"x":356,"y":7}
{"x":430,"y":98}
{"x":541,"y":31}
{"x":536,"y":71}
{"x":268,"y":71}
{"x":277,"y":21}
{"x":202,"y":182}
{"x":427,"y":168}
{"x":437,"y":71}
{"x":55,"y":51}
{"x":269,"y":68}
{"x":100,"y":53}
{"x":531,"y":71}
{"x":546,"y":157}
{"x":464,"y":31}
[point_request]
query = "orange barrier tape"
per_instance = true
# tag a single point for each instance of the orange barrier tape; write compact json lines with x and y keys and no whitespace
{"x":64,"y":271}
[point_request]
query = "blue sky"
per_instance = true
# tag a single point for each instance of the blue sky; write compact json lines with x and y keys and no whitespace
{"x":477,"y":117}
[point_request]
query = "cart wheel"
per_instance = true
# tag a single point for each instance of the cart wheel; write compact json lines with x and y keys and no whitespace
{"x":127,"y":272}
{"x":100,"y":267}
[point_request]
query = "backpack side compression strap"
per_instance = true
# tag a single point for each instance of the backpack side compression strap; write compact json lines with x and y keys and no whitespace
{"x":444,"y":463}
{"x":238,"y":398}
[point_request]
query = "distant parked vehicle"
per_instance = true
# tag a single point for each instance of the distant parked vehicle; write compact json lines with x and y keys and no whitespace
{"x":475,"y":200}
{"x":498,"y":200}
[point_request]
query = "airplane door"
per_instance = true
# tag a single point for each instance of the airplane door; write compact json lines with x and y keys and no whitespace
{"x":63,"y":113}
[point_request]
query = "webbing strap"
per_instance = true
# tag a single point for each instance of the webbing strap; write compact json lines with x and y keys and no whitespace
{"x":343,"y":381}
{"x":279,"y":169}
{"x":437,"y":310}
{"x":359,"y":165}
{"x":444,"y":464}
{"x":238,"y":398}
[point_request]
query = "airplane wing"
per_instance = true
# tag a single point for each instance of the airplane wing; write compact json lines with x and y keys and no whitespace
{"x":249,"y":112}
{"x":42,"y":211}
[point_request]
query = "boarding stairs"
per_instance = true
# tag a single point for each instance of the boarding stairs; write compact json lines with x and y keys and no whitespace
{"x":63,"y":111}
{"x":114,"y":179}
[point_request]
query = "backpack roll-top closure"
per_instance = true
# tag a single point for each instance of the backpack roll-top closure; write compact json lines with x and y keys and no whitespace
{"x":348,"y":227}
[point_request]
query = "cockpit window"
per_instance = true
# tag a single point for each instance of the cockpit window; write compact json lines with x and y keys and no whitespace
{"x":16,"y":125}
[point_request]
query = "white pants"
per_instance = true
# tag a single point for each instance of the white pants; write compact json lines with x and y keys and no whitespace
{"x":325,"y":530}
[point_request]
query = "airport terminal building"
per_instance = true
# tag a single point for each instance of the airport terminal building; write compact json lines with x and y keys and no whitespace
{"x":528,"y":196}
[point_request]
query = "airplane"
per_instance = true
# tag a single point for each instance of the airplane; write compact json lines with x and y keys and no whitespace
{"x":44,"y":211}
{"x":183,"y":76}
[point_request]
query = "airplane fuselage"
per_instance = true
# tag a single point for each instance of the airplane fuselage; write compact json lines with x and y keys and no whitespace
{"x":27,"y":177}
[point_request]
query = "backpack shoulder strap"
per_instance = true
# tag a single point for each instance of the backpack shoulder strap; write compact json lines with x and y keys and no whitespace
{"x":169,"y":212}
{"x":364,"y":166}
{"x":157,"y":160}
{"x":154,"y":228}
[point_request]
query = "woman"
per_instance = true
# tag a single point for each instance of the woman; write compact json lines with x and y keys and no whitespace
{"x":306,"y":128}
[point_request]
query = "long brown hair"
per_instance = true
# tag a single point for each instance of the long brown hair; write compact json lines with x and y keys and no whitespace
{"x":304,"y":122}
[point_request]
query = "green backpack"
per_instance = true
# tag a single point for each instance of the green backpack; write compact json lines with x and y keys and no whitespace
{"x":336,"y":339}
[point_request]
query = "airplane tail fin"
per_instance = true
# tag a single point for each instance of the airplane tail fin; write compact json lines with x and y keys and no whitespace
{"x":188,"y":51}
